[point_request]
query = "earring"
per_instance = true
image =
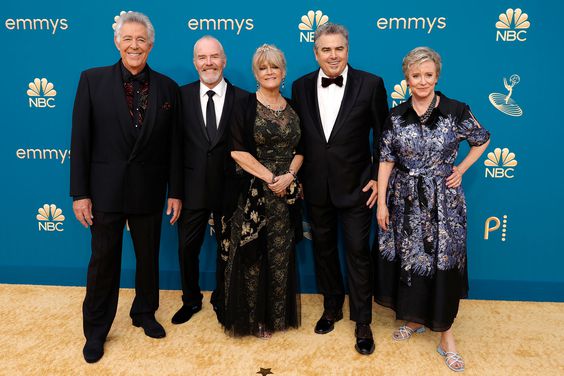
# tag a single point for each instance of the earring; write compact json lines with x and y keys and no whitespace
{"x":283,"y":82}
{"x":258,"y":85}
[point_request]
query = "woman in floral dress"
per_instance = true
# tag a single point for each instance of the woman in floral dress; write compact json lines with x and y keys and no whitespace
{"x":421,"y":264}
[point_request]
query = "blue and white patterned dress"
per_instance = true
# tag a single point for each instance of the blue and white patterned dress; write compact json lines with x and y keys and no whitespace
{"x":421,"y":263}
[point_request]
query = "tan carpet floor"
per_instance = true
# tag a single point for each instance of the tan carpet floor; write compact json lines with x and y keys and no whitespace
{"x":41,"y":334}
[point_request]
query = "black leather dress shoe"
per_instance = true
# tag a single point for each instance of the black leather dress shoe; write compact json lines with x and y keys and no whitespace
{"x":364,"y":341}
{"x":327,"y":322}
{"x":185,"y":313}
{"x":150,"y":326}
{"x":93,"y":351}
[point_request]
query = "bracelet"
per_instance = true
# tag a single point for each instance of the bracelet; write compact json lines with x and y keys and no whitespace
{"x":291,"y":173}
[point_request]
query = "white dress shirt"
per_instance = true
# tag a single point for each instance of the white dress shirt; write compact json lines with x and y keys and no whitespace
{"x":218,"y":99}
{"x":329,"y":101}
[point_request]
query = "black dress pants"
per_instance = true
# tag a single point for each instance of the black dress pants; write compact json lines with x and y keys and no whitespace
{"x":356,"y":222}
{"x":191,"y":231}
{"x":103,"y":278}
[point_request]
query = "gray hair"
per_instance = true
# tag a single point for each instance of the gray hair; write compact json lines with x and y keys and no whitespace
{"x":136,"y":17}
{"x":420,"y":55}
{"x":330,"y":28}
{"x":209,"y":37}
{"x":269,"y":54}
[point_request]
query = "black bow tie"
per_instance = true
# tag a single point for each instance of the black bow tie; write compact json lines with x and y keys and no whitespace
{"x":326,"y":81}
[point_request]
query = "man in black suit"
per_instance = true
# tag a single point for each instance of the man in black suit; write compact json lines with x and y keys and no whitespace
{"x":126,"y":153}
{"x":338,"y":107}
{"x":207,"y":105}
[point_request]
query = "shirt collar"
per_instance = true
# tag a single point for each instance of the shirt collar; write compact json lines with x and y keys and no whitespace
{"x":219,"y":89}
{"x":442,"y":107}
{"x":126,"y":75}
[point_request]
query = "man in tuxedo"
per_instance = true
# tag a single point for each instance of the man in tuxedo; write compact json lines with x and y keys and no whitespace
{"x":207,"y":105}
{"x":126,"y":154}
{"x":338,"y":107}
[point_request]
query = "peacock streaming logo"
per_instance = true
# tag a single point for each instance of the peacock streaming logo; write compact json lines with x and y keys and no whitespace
{"x":500,"y":164}
{"x":50,"y":218}
{"x":41,"y":93}
{"x":309,"y":23}
{"x":497,"y":225}
{"x":400,"y":93}
{"x":512,"y":26}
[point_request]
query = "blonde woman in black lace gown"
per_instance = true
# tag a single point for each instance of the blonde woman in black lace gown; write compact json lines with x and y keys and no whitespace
{"x":262,"y":220}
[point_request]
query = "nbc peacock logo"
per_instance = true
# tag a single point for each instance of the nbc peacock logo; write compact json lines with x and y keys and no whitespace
{"x":116,"y":18}
{"x":50,"y":218}
{"x":500,"y":164}
{"x":41,"y":93}
{"x":309,"y":23}
{"x":400,"y":93}
{"x":512,"y":26}
{"x":504,"y":102}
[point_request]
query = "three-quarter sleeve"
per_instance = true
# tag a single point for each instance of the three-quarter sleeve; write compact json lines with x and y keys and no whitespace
{"x":468,"y":128}
{"x":239,"y":127}
{"x":386,"y":142}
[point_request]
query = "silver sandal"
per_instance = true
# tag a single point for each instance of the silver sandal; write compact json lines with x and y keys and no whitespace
{"x":451,"y":358}
{"x":405,"y":332}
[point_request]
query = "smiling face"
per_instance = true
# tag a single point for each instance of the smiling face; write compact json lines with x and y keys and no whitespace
{"x":269,"y":76}
{"x":422,"y":79}
{"x":134,"y":46}
{"x":209,"y":60}
{"x":332,"y":54}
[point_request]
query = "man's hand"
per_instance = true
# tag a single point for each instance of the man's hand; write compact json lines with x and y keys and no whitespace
{"x":174,"y":207}
{"x":372,"y":184}
{"x":83,"y":211}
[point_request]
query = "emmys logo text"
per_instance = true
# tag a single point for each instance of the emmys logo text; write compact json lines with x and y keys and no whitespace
{"x":493,"y":224}
{"x":411,"y":23}
{"x":512,"y":26}
{"x":223,"y":24}
{"x":37,"y":24}
{"x":309,"y":23}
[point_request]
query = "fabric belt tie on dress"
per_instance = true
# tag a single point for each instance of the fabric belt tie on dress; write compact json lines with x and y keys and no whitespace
{"x":426,"y":196}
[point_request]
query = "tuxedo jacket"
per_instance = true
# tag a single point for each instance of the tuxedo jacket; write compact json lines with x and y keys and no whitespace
{"x":337,"y":169}
{"x":120,"y":170}
{"x":205,"y":159}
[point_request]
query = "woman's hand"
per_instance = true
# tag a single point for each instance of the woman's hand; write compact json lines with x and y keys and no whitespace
{"x":455,"y":179}
{"x":383,"y":216}
{"x":280,"y":184}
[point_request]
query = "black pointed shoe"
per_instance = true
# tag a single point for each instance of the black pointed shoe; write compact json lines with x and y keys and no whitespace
{"x":150,"y":325}
{"x":364,"y":340}
{"x":327,"y":321}
{"x":185,"y":313}
{"x":93,"y":351}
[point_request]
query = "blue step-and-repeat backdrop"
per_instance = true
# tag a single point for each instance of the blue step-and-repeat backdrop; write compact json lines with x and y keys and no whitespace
{"x":501,"y":57}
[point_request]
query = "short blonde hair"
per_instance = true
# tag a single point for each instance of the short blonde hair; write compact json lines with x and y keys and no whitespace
{"x":420,"y":55}
{"x":269,"y":54}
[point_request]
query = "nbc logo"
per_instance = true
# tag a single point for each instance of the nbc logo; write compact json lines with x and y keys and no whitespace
{"x":400,"y":93}
{"x":493,"y":224}
{"x":500,"y":164}
{"x":50,"y":218}
{"x":116,"y":18}
{"x":41,"y":93}
{"x":512,"y":26}
{"x":505,"y":103}
{"x":310,"y":22}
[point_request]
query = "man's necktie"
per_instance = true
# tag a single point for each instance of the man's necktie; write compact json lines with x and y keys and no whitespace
{"x":326,"y":81}
{"x":211,"y":123}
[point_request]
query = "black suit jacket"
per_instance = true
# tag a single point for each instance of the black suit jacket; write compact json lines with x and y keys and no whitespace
{"x":120,"y":172}
{"x":204,"y":159}
{"x":338,"y":168}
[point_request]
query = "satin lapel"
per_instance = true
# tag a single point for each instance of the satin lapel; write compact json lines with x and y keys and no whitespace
{"x":197,"y":109}
{"x":311,"y":87}
{"x":150,"y":115}
{"x":349,"y":98}
{"x":120,"y":104}
{"x":225,"y":113}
